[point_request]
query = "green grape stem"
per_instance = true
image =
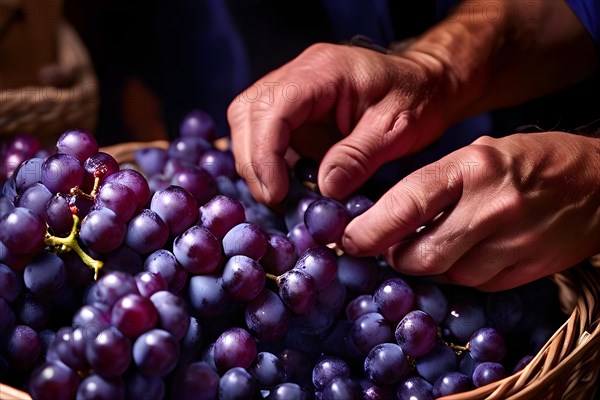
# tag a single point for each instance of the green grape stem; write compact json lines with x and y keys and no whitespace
{"x":272,"y":277}
{"x":70,"y":243}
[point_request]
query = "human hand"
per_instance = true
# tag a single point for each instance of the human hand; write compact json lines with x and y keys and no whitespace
{"x":353,"y":107}
{"x":514,"y":209}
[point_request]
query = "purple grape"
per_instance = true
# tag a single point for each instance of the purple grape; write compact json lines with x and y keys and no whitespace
{"x":266,"y":316}
{"x":328,"y":368}
{"x":151,"y":160}
{"x":430,"y":298}
{"x":438,"y":361}
{"x":334,"y":295}
{"x":386,"y":364}
{"x":360,"y":305}
{"x":504,"y":310}
{"x":99,"y":388}
{"x":177,"y":207}
{"x":91,"y":320}
{"x":198,"y":123}
{"x":77,"y":143}
{"x":221,"y":214}
{"x":415,"y":388}
{"x":267,"y":370}
{"x":102,"y":230}
{"x":369,"y":330}
{"x":236,"y":384}
{"x":199,"y":182}
{"x":294,"y":213}
{"x":109,"y":354}
{"x":10,"y":163}
{"x":197,"y":250}
{"x":488,"y":372}
{"x":218,"y":163}
{"x":317,"y":321}
{"x":45,"y":275}
{"x":135,"y":181}
{"x":59,"y":216}
{"x":6,"y":205}
{"x":155,"y":352}
{"x":298,"y":290}
{"x":522,"y":363}
{"x":357,"y":205}
{"x":32,"y":311}
{"x":22,"y":347}
{"x":451,"y":383}
{"x":25,"y":143}
{"x":206,"y":295}
{"x":280,"y":256}
{"x":196,"y":381}
{"x":35,"y":198}
{"x":487,"y":344}
{"x":466,"y":364}
{"x":289,"y":391}
{"x":162,"y":262}
{"x":416,"y":333}
{"x":358,"y":274}
{"x":243,"y":278}
{"x":70,"y":344}
{"x":22,"y":231}
{"x":394,"y":298}
{"x":325,"y":220}
{"x":53,"y":381}
{"x":173,"y":315}
{"x":297,"y":366}
{"x":117,"y":197}
{"x":123,"y":259}
{"x":27,"y":174}
{"x":301,"y":238}
{"x":99,"y":165}
{"x":146,"y":232}
{"x":10,"y":283}
{"x":319,"y":262}
{"x":191,"y":343}
{"x":246,"y":239}
{"x":61,"y":173}
{"x":133,"y":315}
{"x":235,"y":347}
{"x":188,"y":149}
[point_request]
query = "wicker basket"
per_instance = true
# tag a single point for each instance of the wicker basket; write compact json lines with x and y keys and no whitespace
{"x":567,"y":366}
{"x":47,"y":111}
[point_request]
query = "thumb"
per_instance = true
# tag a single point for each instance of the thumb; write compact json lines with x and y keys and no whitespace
{"x":379,"y":137}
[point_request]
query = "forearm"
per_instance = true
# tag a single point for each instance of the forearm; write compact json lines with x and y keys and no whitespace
{"x":500,"y":53}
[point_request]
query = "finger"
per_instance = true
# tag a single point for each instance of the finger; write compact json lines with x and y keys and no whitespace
{"x":261,"y":134}
{"x":410,"y":204}
{"x":382,"y":134}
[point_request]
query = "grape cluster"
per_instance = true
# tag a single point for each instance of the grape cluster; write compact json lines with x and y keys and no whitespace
{"x":165,"y":279}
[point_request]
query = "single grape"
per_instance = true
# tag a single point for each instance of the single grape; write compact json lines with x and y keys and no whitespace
{"x":220,"y":214}
{"x":342,"y":388}
{"x":416,"y":333}
{"x":488,"y":372}
{"x":35,"y":198}
{"x":162,"y":262}
{"x":218,"y":163}
{"x":195,"y":381}
{"x":155,"y":352}
{"x":102,"y":230}
{"x":151,"y":160}
{"x":173,"y":314}
{"x":451,"y":383}
{"x":317,"y":321}
{"x":394,"y":298}
{"x":197,"y":250}
{"x":135,"y":181}
{"x":70,"y":345}
{"x":357,"y":205}
{"x":109,"y":354}
{"x":99,"y":165}
{"x":59,"y":216}
{"x":235,"y":347}
{"x":358,"y":274}
{"x":99,"y":388}
{"x":177,"y":207}
{"x":149,"y":283}
{"x":487,"y":344}
{"x":280,"y":256}
{"x":53,"y":381}
{"x":243,"y":278}
{"x":464,"y":318}
{"x":522,"y":363}
{"x":22,"y":347}
{"x":133,"y":315}
{"x":206,"y":295}
{"x":61,"y":173}
{"x":325,"y":220}
{"x":246,"y":239}
{"x":386,"y":364}
{"x":301,"y":238}
{"x":22,"y":231}
{"x":439,"y":360}
{"x":28,"y":173}
{"x":267,"y":317}
{"x":333,"y":295}
{"x":369,"y":330}
{"x":289,"y":391}
{"x":360,"y":305}
{"x":415,"y":388}
{"x":199,"y":182}
{"x":430,"y":298}
{"x":320,"y":262}
{"x":45,"y":275}
{"x":114,"y":285}
{"x":267,"y":370}
{"x":198,"y":123}
{"x":117,"y":197}
{"x":298,"y":290}
{"x":77,"y":143}
{"x":237,"y":384}
{"x":188,"y":149}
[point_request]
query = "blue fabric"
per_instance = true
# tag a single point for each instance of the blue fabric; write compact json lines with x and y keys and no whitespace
{"x":588,"y":11}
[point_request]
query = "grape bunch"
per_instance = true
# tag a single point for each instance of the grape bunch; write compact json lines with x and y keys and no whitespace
{"x":165,"y":279}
